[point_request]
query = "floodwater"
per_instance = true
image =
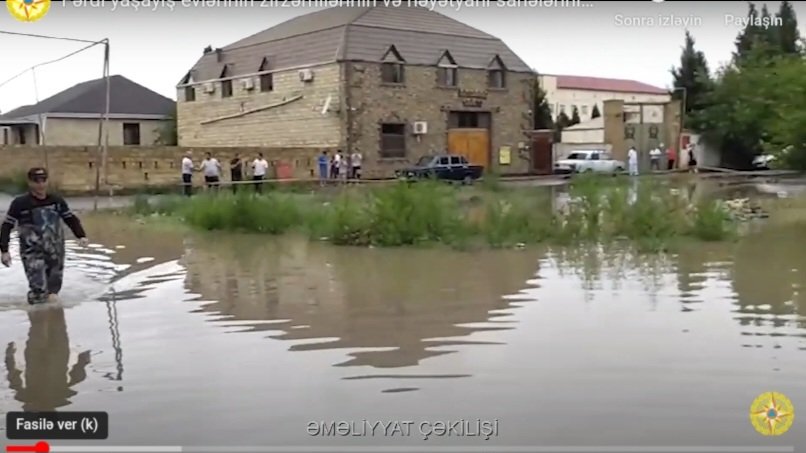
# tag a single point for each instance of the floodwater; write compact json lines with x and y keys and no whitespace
{"x":218,"y":339}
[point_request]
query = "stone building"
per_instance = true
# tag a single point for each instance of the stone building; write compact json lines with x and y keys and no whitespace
{"x":393,"y":83}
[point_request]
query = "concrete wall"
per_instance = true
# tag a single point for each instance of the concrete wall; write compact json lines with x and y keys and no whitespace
{"x":560,"y":98}
{"x":622,"y":135}
{"x":84,"y":132}
{"x":74,"y":168}
{"x":583,"y":135}
{"x":297,"y":123}
{"x":420,"y":99}
{"x":707,"y":156}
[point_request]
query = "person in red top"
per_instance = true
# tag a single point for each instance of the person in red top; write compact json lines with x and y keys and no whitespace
{"x":671,"y":158}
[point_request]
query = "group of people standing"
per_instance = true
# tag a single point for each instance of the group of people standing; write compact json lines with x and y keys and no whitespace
{"x":211,"y":168}
{"x":339,"y":166}
{"x":655,"y":157}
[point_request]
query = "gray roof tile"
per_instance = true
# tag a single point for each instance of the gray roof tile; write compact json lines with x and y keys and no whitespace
{"x":359,"y":34}
{"x":126,"y":97}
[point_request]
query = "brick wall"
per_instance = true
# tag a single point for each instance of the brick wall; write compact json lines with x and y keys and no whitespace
{"x":84,"y":132}
{"x":296,"y":124}
{"x":73,"y":169}
{"x":420,"y":99}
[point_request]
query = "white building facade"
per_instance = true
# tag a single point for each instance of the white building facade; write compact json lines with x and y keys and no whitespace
{"x":566,"y":92}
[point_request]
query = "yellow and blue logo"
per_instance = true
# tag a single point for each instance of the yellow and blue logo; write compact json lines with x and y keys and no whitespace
{"x":772,"y":414}
{"x":28,"y":10}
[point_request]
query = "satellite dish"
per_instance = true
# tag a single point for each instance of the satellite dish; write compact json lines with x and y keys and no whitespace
{"x":326,"y":107}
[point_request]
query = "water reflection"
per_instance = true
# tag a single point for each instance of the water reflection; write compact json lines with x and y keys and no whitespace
{"x":768,"y":275}
{"x":389,"y":308}
{"x":761,"y":277}
{"x":46,"y":383}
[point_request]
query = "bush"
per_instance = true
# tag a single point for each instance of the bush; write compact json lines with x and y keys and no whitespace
{"x":404,"y":214}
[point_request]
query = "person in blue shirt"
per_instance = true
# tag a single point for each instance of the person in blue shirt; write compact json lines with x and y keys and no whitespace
{"x":323,"y":162}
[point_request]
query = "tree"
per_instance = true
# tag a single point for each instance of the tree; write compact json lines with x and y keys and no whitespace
{"x":167,"y":134}
{"x":692,"y":80}
{"x":595,"y":112}
{"x":541,"y":111}
{"x":787,"y":34}
{"x":561,"y":123}
{"x":744,"y":41}
{"x":785,"y":129}
{"x":575,"y":117}
{"x":759,"y":108}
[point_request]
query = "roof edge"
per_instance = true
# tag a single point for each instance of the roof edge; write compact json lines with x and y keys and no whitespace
{"x":659,"y":92}
{"x":380,"y":27}
{"x":229,"y":49}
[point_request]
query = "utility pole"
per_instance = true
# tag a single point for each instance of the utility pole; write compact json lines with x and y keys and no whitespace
{"x":103,"y":130}
{"x":682,"y":124}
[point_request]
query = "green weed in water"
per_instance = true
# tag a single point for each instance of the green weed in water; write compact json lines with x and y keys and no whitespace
{"x":712,"y":222}
{"x":600,"y":210}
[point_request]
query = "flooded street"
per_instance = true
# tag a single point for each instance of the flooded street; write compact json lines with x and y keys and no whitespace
{"x":220,"y":339}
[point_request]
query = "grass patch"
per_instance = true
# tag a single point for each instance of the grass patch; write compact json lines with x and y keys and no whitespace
{"x":598,"y":210}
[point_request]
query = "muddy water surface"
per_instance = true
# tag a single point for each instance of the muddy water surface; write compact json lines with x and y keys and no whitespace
{"x":214,"y":339}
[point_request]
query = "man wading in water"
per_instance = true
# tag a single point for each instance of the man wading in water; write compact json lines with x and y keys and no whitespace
{"x":37,"y":216}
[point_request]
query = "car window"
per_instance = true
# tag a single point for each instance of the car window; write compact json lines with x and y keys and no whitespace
{"x":456,"y":160}
{"x":594,"y":156}
{"x":576,"y":156}
{"x":443,"y":161}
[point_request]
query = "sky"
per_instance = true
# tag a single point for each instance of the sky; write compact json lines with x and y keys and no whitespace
{"x":155,"y":43}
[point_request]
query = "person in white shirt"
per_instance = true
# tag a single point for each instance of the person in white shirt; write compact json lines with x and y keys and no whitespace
{"x":355,"y":161}
{"x":336,"y":166}
{"x":212,"y":171}
{"x":654,"y":157}
{"x":259,"y":169}
{"x":187,"y":173}
{"x":632,"y":161}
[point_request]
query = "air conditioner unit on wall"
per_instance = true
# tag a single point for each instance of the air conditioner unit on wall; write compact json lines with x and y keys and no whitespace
{"x":306,"y":75}
{"x":248,"y":84}
{"x":420,"y":127}
{"x":209,"y":88}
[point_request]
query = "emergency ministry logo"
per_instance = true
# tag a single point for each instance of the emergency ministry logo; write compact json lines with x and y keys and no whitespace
{"x":772,"y":414}
{"x":28,"y":10}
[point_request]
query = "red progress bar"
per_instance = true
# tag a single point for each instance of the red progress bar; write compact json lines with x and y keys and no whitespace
{"x":39,"y":447}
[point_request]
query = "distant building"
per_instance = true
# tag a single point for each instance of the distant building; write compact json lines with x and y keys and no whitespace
{"x":71,"y":117}
{"x":565,"y":92}
{"x":392,"y":83}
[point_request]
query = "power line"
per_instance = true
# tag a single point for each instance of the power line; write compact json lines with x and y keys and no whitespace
{"x":52,"y":61}
{"x":48,"y":37}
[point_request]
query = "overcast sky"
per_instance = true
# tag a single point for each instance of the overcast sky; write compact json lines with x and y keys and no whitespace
{"x":155,"y":46}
